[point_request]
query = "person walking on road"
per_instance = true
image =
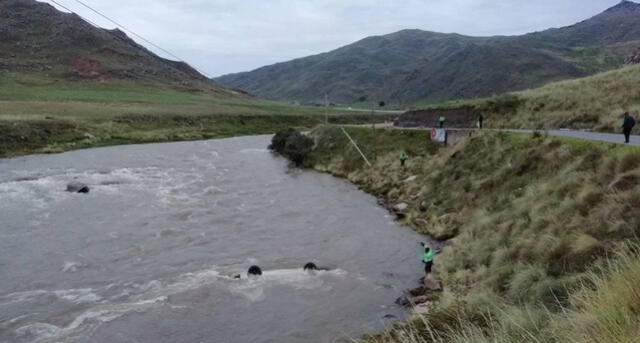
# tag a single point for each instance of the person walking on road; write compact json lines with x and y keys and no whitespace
{"x":628,"y":125}
{"x":427,"y":259}
{"x":441,"y":120}
{"x":403,"y":158}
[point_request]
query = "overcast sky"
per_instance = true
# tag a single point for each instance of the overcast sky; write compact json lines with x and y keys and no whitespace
{"x":225,"y":36}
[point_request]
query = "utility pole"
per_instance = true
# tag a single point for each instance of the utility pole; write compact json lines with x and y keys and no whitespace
{"x":326,"y":108}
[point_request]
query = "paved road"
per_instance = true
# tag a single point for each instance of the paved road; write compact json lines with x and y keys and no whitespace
{"x":377,"y":111}
{"x":616,"y":138}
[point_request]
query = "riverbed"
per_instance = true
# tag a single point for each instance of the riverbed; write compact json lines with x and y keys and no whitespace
{"x":149,"y":254}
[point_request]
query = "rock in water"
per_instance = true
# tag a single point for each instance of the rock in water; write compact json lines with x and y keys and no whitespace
{"x":77,"y":187}
{"x":416,"y":292}
{"x":403,"y":301}
{"x":419,"y":300}
{"x":254,"y":270}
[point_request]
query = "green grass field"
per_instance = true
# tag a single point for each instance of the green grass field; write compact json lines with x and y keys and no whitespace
{"x":41,"y":114}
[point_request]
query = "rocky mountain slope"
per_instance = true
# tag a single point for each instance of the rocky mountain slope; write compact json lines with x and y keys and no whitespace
{"x":37,"y":38}
{"x":416,"y":66}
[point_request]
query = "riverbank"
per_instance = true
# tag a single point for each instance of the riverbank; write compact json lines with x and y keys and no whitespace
{"x":39,"y":114}
{"x":52,"y":135}
{"x":528,"y":222}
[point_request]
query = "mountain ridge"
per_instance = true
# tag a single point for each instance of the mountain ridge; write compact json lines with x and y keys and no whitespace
{"x":35,"y":37}
{"x":412,"y":65}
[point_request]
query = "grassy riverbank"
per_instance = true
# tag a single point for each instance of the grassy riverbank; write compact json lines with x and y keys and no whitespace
{"x":41,"y":114}
{"x":593,"y":103}
{"x":532,"y":224}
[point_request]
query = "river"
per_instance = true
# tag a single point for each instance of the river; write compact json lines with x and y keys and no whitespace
{"x":149,"y":254}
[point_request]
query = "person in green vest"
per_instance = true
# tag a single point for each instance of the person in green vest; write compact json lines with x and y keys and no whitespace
{"x":427,"y":259}
{"x":441,"y":120}
{"x":403,"y":158}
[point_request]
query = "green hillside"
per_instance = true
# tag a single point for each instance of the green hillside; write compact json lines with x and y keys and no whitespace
{"x":594,"y":103}
{"x":413,"y":65}
{"x":65,"y":84}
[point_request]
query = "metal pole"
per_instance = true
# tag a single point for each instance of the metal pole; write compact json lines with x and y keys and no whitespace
{"x":356,"y":145}
{"x":326,"y":106}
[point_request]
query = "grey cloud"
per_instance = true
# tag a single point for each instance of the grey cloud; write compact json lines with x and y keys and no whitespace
{"x":224,"y":36}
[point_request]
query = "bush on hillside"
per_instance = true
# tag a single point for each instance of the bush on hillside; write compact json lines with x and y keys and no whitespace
{"x":293,"y":145}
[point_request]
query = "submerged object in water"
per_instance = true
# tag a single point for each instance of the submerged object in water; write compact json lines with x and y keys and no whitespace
{"x":254,"y":270}
{"x":310,"y":266}
{"x":77,"y":187}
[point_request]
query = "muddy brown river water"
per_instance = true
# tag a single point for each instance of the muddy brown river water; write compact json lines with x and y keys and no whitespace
{"x":147,"y":255}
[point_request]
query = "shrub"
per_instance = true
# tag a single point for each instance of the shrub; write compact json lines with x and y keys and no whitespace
{"x":293,"y":145}
{"x":279,"y":141}
{"x":298,"y":147}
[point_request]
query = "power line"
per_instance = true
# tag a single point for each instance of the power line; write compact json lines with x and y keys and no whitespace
{"x":67,"y":8}
{"x":130,"y":31}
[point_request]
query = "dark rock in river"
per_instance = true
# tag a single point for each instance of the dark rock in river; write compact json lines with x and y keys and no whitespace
{"x":416,"y":292}
{"x":419,"y":300}
{"x":77,"y":187}
{"x":403,"y":301}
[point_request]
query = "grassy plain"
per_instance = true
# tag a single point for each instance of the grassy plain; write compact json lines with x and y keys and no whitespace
{"x":42,"y":114}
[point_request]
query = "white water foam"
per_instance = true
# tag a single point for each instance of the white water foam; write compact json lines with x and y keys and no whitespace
{"x":72,"y":266}
{"x":253,"y":287}
{"x":246,"y":151}
{"x":86,"y":322}
{"x":76,"y":296}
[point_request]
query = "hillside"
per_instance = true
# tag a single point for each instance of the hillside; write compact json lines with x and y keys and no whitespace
{"x":591,"y":103}
{"x":65,"y":84}
{"x":413,"y":65}
{"x":36,"y":38}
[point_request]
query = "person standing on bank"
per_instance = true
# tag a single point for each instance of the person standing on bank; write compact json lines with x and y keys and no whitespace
{"x":403,"y":158}
{"x":441,"y":120}
{"x":480,"y":120}
{"x":427,"y":259}
{"x":628,"y":125}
